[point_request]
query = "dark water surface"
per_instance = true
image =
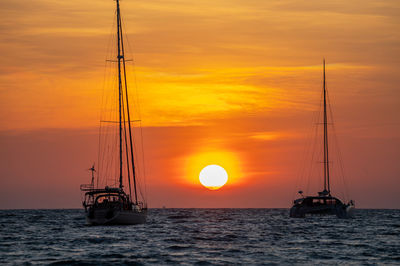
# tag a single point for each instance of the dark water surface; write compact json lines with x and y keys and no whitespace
{"x":200,"y":236}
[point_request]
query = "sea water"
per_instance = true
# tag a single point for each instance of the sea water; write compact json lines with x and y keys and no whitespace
{"x":200,"y":236}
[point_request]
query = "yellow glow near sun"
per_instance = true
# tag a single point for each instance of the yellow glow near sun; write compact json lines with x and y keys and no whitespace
{"x":213,"y":177}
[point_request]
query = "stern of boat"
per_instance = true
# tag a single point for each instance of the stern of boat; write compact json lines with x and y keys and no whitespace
{"x":115,"y":217}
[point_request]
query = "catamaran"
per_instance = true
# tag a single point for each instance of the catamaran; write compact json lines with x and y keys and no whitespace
{"x":116,"y":204}
{"x":323,"y":203}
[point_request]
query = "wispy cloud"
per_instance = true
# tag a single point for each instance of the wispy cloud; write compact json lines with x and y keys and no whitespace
{"x":195,"y":61}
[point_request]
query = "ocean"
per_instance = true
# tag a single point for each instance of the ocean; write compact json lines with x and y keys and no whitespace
{"x":200,"y":236}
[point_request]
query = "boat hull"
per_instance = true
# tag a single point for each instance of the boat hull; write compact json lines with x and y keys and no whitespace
{"x":350,"y":209}
{"x":115,"y":217}
{"x":341,"y":211}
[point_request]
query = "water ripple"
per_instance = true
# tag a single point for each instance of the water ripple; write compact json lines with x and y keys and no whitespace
{"x":201,"y":237}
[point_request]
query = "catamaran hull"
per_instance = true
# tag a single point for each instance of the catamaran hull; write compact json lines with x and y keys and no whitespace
{"x":341,"y":211}
{"x":113,"y":217}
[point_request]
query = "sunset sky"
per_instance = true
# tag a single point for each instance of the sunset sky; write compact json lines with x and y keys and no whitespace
{"x":234,"y":83}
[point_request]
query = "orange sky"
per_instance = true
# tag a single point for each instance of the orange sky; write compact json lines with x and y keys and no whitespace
{"x":235,"y":81}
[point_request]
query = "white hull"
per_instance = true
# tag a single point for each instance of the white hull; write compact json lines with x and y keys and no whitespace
{"x":116,"y":217}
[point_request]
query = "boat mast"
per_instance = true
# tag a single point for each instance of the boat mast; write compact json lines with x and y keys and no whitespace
{"x":121,"y":62}
{"x":129,"y":122}
{"x":119,"y":57}
{"x":326,"y":155}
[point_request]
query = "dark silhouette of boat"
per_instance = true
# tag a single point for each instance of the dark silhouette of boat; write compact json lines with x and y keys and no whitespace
{"x":115,"y":205}
{"x":324,"y":203}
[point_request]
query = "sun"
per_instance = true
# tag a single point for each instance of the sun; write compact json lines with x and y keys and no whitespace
{"x":213,"y":177}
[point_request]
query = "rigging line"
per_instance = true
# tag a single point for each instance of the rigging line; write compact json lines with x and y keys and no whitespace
{"x":313,"y":138}
{"x":138,"y":109}
{"x":102,"y":136}
{"x":99,"y":163}
{"x":142,"y":150}
{"x":109,"y":136}
{"x":125,"y":121}
{"x":306,"y":154}
{"x":120,"y":92}
{"x":126,"y":147}
{"x":99,"y":136}
{"x":339,"y":154}
{"x":140,"y":123}
{"x":338,"y":151}
{"x":320,"y":148}
{"x":140,"y":172}
{"x":315,"y":142}
{"x":325,"y":160}
{"x":110,"y":132}
{"x":128,"y":112}
{"x":309,"y":160}
{"x":142,"y":147}
{"x":326,"y":147}
{"x":106,"y":136}
{"x":115,"y":131}
{"x":125,"y":133}
{"x":312,"y":161}
{"x":327,"y":150}
{"x":306,"y":151}
{"x":113,"y":136}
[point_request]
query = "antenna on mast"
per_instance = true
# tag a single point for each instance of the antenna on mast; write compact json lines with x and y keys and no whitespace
{"x":93,"y":170}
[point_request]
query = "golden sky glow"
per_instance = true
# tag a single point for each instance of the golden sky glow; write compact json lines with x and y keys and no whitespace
{"x":225,"y":59}
{"x":232,"y":83}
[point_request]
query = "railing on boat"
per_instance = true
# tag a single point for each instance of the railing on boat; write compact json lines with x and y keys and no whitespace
{"x":86,"y":187}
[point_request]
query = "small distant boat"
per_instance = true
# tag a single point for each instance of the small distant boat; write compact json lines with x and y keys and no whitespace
{"x":113,"y":205}
{"x":324,"y":203}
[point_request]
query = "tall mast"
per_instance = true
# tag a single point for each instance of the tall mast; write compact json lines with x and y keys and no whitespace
{"x":122,"y":83}
{"x":129,"y":126}
{"x":119,"y":57}
{"x":326,"y":154}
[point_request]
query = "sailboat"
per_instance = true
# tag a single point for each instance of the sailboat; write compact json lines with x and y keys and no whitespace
{"x":115,"y":205}
{"x":323,"y":203}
